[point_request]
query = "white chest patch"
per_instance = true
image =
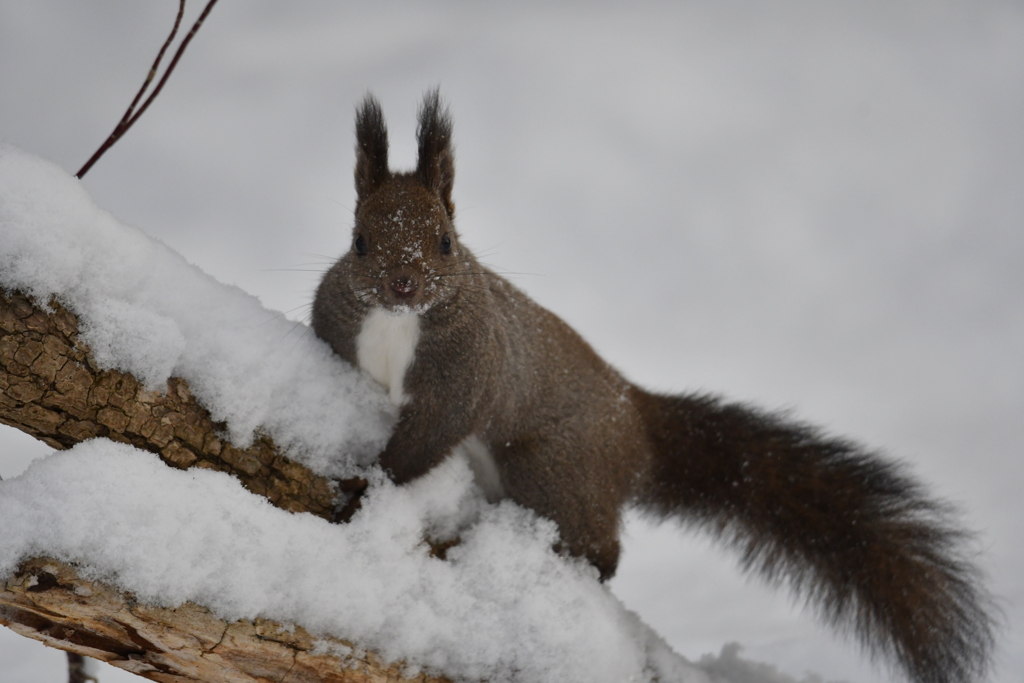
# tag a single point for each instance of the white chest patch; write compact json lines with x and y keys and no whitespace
{"x":385,"y":348}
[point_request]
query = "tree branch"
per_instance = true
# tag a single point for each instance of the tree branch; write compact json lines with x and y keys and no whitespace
{"x":130,"y":116}
{"x":48,"y":601}
{"x":52,"y":389}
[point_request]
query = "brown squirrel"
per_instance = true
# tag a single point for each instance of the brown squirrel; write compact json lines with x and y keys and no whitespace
{"x":475,"y":364}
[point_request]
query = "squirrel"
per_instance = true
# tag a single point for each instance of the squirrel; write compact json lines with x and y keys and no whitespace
{"x":473,"y":363}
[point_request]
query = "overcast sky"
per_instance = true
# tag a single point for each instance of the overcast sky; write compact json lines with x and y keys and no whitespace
{"x":805,"y":205}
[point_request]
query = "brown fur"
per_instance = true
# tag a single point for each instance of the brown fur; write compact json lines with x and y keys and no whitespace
{"x":576,"y":442}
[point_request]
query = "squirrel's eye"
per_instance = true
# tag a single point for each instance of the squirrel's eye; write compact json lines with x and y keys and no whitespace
{"x":360,"y":245}
{"x":446,"y":244}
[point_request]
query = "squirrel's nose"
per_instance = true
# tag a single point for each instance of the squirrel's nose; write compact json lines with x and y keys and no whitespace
{"x":404,"y":286}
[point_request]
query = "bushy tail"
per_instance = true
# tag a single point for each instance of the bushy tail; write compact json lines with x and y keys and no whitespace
{"x":845,"y":528}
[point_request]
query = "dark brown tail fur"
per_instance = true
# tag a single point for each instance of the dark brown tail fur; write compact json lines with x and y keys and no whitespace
{"x":842,"y":526}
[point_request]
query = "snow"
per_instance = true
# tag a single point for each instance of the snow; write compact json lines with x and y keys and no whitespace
{"x":145,"y":310}
{"x":503,"y":606}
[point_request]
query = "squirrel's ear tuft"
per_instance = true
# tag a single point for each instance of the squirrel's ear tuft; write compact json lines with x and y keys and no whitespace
{"x":436,"y":165}
{"x":371,"y":147}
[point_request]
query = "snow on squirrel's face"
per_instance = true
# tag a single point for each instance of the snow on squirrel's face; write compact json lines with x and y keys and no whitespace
{"x":405,"y":253}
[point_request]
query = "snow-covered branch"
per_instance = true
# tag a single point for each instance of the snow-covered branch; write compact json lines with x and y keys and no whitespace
{"x":53,"y":390}
{"x":49,"y":601}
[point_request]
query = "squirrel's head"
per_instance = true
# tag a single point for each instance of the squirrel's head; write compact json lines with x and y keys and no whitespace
{"x":404,"y":246}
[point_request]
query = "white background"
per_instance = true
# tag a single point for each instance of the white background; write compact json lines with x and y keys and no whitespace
{"x":804,"y":205}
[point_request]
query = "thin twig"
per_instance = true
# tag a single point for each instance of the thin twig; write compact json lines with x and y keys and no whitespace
{"x":156,"y":65}
{"x":130,"y":116}
{"x":125,"y":121}
{"x":76,"y":669}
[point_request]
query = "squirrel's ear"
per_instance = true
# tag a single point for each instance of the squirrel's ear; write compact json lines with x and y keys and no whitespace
{"x":371,"y":147}
{"x":436,"y":165}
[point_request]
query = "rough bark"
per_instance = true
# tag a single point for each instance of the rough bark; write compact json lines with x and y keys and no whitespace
{"x":48,"y":601}
{"x":52,"y":389}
